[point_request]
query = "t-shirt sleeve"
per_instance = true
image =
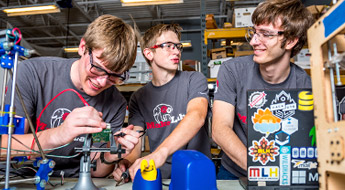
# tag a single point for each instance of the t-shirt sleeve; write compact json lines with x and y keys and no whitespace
{"x":197,"y":86}
{"x":226,"y":84}
{"x":135,"y":117}
{"x":25,"y":80}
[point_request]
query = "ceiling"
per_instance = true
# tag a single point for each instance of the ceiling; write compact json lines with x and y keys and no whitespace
{"x":51,"y":32}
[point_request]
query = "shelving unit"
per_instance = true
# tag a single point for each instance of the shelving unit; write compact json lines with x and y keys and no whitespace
{"x":224,"y":33}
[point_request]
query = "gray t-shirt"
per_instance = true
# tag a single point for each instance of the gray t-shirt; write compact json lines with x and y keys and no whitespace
{"x":159,"y":109}
{"x":49,"y":96}
{"x":235,"y":77}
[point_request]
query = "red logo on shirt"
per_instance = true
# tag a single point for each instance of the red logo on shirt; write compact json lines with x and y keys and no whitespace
{"x":242,"y":118}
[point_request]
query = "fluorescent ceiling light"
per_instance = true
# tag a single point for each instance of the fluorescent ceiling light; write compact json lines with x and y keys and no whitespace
{"x":186,"y":43}
{"x":31,"y":9}
{"x":71,"y":49}
{"x":148,"y":2}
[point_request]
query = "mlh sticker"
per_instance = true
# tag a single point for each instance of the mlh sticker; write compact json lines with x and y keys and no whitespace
{"x":263,"y":151}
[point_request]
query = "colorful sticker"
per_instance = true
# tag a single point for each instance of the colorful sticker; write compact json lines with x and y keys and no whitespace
{"x":257,"y":99}
{"x":265,"y":122}
{"x":304,"y":152}
{"x":290,"y":125}
{"x":282,"y":138}
{"x":263,"y":151}
{"x":263,"y":173}
{"x":285,"y":166}
{"x":299,"y":177}
{"x":312,"y":134}
{"x":283,"y":106}
{"x":302,"y":164}
{"x":305,"y":101}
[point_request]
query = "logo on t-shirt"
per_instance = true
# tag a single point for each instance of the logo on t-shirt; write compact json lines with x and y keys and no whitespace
{"x":162,"y":114}
{"x":58,"y":117}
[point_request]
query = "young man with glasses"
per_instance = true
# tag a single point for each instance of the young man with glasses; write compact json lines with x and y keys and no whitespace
{"x":172,"y":108}
{"x":68,"y":98}
{"x":279,"y":33}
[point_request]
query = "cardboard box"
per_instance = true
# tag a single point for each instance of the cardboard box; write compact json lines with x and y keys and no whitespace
{"x":243,"y":16}
{"x":218,"y":53}
{"x":210,"y":22}
{"x":214,"y":66}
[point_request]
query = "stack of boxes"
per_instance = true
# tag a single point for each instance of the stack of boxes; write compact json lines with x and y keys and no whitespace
{"x":140,"y":71}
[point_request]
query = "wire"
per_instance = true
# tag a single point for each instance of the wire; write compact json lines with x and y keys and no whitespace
{"x":142,"y":131}
{"x":43,"y":149}
{"x":50,"y":155}
{"x":19,"y":35}
{"x":39,"y":117}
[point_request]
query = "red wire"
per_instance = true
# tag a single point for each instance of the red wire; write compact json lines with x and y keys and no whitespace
{"x":39,"y":117}
{"x":20,"y":34}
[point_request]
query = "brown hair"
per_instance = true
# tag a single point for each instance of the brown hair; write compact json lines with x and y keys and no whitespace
{"x":295,"y":18}
{"x":150,"y":37}
{"x":116,"y":38}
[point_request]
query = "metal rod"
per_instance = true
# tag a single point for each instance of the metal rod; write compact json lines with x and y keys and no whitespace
{"x":334,"y":103}
{"x":3,"y":90}
{"x":10,"y":128}
{"x":337,"y":67}
{"x":20,"y":181}
{"x":29,"y":121}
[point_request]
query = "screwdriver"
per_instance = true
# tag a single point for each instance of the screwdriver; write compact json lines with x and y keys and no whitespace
{"x":124,"y":176}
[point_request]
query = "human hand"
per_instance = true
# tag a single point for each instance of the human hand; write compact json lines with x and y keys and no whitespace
{"x":128,"y":140}
{"x":80,"y":121}
{"x":120,"y":168}
{"x":159,"y":157}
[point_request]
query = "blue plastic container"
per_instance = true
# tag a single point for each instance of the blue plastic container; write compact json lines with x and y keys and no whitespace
{"x":192,"y":170}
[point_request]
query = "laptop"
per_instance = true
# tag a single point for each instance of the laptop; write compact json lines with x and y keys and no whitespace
{"x":282,"y":151}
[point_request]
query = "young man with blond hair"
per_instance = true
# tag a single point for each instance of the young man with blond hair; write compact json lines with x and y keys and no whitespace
{"x":68,"y":98}
{"x":172,"y":108}
{"x":279,"y":33}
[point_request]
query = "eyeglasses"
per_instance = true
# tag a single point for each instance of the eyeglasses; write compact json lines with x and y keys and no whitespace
{"x":112,"y":77}
{"x":262,"y":35}
{"x":169,"y":46}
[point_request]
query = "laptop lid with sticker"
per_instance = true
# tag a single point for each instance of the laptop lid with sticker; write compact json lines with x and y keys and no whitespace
{"x":281,"y":138}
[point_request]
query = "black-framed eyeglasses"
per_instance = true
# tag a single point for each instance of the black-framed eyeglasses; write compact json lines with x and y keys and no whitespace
{"x":112,"y":77}
{"x":262,"y":35}
{"x":169,"y":46}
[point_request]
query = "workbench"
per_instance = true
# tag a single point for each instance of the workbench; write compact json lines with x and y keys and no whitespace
{"x":110,"y":184}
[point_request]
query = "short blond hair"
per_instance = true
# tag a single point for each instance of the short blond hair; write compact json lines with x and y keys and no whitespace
{"x":116,"y":38}
{"x":150,"y":37}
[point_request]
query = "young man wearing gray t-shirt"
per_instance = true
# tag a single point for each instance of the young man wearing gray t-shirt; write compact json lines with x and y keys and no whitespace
{"x":68,"y":98}
{"x":278,"y":34}
{"x":172,"y":108}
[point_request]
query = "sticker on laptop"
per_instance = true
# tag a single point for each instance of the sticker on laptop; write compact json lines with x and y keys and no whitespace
{"x":304,"y":152}
{"x":283,"y":106}
{"x":282,"y":138}
{"x":305,"y":101}
{"x":290,"y":125}
{"x":285,"y":165}
{"x":263,"y":151}
{"x":263,"y":173}
{"x":313,"y":177}
{"x":299,"y":177}
{"x":257,"y":99}
{"x":265,"y":122}
{"x":302,"y":164}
